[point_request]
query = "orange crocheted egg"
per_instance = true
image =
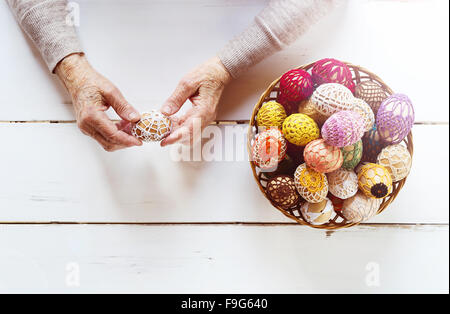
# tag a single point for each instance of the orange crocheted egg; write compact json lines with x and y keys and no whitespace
{"x":322,"y":157}
{"x":299,"y":129}
{"x":374,"y":180}
{"x":317,"y":213}
{"x":269,"y":149}
{"x":310,"y":184}
{"x":153,"y":127}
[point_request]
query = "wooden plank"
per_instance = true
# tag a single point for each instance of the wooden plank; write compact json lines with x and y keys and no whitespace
{"x":139,"y":47}
{"x":219,"y":259}
{"x":54,"y":173}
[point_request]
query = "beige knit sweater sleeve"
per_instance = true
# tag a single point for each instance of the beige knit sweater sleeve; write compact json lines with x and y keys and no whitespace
{"x":278,"y":25}
{"x":44,"y":21}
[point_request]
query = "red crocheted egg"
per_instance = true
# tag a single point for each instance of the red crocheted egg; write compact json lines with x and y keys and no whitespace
{"x":269,"y":149}
{"x":332,"y":71}
{"x":323,"y":157}
{"x":295,"y":86}
{"x":343,"y":128}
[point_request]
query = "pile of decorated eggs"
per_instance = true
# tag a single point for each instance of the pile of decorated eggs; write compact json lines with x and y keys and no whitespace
{"x":343,"y":140}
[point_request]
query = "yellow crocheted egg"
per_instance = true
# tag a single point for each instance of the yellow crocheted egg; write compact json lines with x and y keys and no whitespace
{"x":310,"y":184}
{"x":396,"y":159}
{"x":366,"y":113}
{"x":153,"y":127}
{"x":299,"y":129}
{"x":375,"y":180}
{"x":271,"y":114}
{"x":359,"y":208}
{"x":318,"y":213}
{"x":322,"y":157}
{"x":331,"y":98}
{"x":308,"y":108}
{"x":343,"y":183}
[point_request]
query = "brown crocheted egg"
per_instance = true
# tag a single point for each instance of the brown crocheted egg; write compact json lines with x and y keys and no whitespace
{"x":331,"y":98}
{"x":397,"y":159}
{"x":281,"y":190}
{"x":372,"y":93}
{"x":372,"y":145}
{"x":343,"y":183}
{"x":375,"y":181}
{"x":359,"y":208}
{"x":322,"y":157}
{"x":310,"y":184}
{"x":308,"y":108}
{"x":318,"y":213}
{"x":153,"y":127}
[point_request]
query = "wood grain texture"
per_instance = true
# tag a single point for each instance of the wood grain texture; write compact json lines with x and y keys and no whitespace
{"x":217,"y":259}
{"x":137,"y":44}
{"x":57,"y":174}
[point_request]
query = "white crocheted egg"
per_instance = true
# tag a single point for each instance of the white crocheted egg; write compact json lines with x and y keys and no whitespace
{"x":331,"y":98}
{"x":318,"y":213}
{"x":397,"y":160}
{"x":153,"y":127}
{"x":360,"y":207}
{"x":366,"y":113}
{"x":310,"y":184}
{"x":343,"y":183}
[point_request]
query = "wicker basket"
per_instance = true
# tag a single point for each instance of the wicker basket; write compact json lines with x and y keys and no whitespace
{"x":338,"y":221}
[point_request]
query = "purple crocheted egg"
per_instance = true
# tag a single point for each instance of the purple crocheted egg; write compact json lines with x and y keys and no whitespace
{"x":343,"y":128}
{"x":395,"y":118}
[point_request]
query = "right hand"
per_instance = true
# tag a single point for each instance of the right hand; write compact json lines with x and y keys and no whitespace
{"x":92,"y":94}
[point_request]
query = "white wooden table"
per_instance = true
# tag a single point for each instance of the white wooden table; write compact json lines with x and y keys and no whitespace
{"x":74,"y":218}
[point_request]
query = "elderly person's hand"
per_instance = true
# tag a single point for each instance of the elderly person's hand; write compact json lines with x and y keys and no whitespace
{"x":203,"y":87}
{"x":92,"y":94}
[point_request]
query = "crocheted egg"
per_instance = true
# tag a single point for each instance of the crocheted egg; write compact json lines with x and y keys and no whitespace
{"x":332,"y":71}
{"x":281,"y":190}
{"x":396,"y":159}
{"x":372,"y":93}
{"x":359,"y":208}
{"x":322,"y":157}
{"x":343,"y":128}
{"x":318,"y":213}
{"x":373,"y":144}
{"x":395,"y":118}
{"x":343,"y":183}
{"x":308,"y":108}
{"x":331,"y":98}
{"x":352,"y":155}
{"x":271,"y":114}
{"x":299,"y":129}
{"x":375,"y":180}
{"x":296,"y":153}
{"x":153,"y":127}
{"x":296,"y":85}
{"x":310,"y":184}
{"x":269,"y":149}
{"x":366,"y":113}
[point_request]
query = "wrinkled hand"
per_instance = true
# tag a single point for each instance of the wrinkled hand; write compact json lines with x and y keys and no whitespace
{"x":203,"y":87}
{"x":92,"y":94}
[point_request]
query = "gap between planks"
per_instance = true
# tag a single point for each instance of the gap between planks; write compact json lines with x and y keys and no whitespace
{"x":217,"y":122}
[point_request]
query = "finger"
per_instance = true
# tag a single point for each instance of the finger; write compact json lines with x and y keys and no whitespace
{"x":176,"y":136}
{"x":110,"y":132}
{"x":116,"y":100}
{"x":108,"y":146}
{"x":124,"y":126}
{"x":182,"y":93}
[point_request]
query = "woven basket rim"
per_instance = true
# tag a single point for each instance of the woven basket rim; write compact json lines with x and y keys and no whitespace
{"x":356,"y":70}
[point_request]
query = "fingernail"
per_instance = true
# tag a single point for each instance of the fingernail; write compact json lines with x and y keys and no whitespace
{"x":133,"y":116}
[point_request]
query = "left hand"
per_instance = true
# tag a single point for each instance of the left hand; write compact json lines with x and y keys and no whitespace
{"x":203,"y":87}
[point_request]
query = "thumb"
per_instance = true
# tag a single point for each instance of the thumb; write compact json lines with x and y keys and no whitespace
{"x":182,"y":93}
{"x":116,"y":100}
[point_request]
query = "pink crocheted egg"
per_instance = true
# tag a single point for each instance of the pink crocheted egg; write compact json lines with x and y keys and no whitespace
{"x":395,"y":118}
{"x":333,"y":71}
{"x":296,"y":85}
{"x":343,"y":128}
{"x":269,"y":149}
{"x":322,"y":157}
